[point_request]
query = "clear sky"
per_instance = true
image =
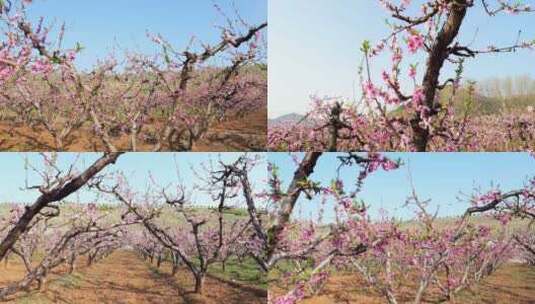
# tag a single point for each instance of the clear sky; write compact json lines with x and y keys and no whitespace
{"x":441,"y":177}
{"x":102,"y":26}
{"x":437,"y":176}
{"x":314,"y":48}
{"x":136,"y":166}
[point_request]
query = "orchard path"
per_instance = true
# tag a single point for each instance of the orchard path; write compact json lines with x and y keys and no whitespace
{"x":123,"y":278}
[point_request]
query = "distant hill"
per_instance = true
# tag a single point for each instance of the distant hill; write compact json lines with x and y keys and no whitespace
{"x":485,"y":100}
{"x":480,"y":104}
{"x":483,"y":104}
{"x":291,"y":118}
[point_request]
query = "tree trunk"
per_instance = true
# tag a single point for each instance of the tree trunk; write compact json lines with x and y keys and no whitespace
{"x":72,"y":263}
{"x":305,"y":169}
{"x":54,"y":195}
{"x":199,"y":283}
{"x":90,"y":259}
{"x":437,"y":56}
{"x":71,"y":268}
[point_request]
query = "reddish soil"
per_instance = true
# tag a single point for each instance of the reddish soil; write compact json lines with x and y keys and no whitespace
{"x":247,"y":133}
{"x":510,"y":284}
{"x":124,"y":278}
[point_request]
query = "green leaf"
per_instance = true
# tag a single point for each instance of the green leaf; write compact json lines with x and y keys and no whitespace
{"x":167,"y":58}
{"x":365,"y":48}
{"x":55,"y":59}
{"x":78,"y":47}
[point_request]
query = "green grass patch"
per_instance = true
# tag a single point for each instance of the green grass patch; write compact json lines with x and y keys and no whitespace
{"x":33,"y":299}
{"x":70,"y":281}
{"x":248,"y":272}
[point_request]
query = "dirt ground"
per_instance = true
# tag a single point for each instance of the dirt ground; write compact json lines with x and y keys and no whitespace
{"x":123,"y":278}
{"x":247,"y":133}
{"x":510,"y":284}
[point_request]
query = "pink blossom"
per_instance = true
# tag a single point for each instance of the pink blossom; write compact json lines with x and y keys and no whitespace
{"x":412,"y":72}
{"x":418,"y":97}
{"x":369,"y":90}
{"x":415,"y":42}
{"x":41,"y":66}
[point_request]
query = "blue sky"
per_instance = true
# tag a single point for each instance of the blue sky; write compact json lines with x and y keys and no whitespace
{"x":103,"y":26}
{"x":136,"y":166}
{"x":314,"y":48}
{"x":437,"y":176}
